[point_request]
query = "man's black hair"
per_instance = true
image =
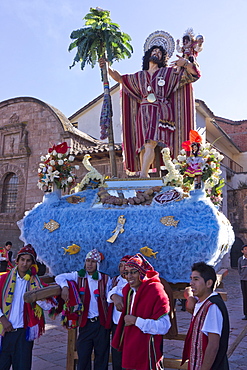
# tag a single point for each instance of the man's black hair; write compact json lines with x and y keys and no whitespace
{"x":147,"y":55}
{"x":8,"y":243}
{"x":207,"y":272}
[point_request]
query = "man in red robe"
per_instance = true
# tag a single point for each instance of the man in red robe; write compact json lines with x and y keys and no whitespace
{"x":144,"y":319}
{"x":156,"y":101}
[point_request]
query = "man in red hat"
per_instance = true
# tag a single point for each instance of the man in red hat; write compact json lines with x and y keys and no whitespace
{"x":20,"y":322}
{"x":115,"y":297}
{"x":144,"y":319}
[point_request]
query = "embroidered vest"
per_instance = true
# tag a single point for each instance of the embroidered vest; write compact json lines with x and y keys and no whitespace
{"x":196,"y":341}
{"x":105,"y":319}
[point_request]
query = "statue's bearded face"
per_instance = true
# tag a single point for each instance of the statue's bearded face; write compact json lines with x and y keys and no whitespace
{"x":156,"y":55}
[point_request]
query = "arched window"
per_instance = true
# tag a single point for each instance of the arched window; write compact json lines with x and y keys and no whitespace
{"x":10,"y":190}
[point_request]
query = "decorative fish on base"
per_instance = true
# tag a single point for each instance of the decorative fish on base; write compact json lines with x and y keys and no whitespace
{"x":148,"y":252}
{"x":72,"y":249}
{"x":169,"y":221}
{"x":52,"y":225}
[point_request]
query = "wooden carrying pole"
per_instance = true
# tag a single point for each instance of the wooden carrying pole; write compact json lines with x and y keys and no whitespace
{"x":112,"y":153}
{"x":43,"y":293}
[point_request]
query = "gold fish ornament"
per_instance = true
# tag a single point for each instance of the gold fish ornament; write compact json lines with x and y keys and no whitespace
{"x":52,"y":225}
{"x":72,"y":249}
{"x":148,"y":252}
{"x":169,"y":221}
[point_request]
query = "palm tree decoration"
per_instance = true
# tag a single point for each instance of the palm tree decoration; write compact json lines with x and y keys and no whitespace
{"x":100,"y":38}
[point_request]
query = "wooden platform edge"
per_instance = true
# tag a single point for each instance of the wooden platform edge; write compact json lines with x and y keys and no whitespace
{"x":179,"y":294}
{"x":171,"y":363}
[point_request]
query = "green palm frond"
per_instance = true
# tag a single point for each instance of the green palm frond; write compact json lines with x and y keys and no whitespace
{"x":100,"y":37}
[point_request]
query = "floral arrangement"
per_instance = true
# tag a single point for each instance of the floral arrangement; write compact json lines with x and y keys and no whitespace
{"x":56,"y":168}
{"x":173,"y":178}
{"x":210,"y":172}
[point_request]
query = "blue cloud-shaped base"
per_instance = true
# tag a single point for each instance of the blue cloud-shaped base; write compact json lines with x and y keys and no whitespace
{"x":202,"y":234}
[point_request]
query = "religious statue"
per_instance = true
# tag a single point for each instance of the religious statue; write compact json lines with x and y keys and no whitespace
{"x":157,"y":103}
{"x":191,"y":45}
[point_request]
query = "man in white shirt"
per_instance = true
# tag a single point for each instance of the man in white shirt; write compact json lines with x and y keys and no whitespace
{"x":207,"y":339}
{"x":115,"y":296}
{"x":94,"y":331}
{"x":20,"y":323}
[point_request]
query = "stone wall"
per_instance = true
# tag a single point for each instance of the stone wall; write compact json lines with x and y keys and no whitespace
{"x":28,"y":127}
{"x":237,"y":130}
{"x":237,"y":212}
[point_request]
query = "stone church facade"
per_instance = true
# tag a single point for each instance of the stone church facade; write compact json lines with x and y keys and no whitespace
{"x":28,"y":127}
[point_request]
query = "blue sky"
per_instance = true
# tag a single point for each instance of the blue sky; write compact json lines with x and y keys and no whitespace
{"x":35,"y":35}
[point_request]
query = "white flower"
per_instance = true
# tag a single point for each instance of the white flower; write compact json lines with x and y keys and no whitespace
{"x":52,"y":162}
{"x":71,"y":158}
{"x":50,"y":169}
{"x":77,"y":167}
{"x":220,"y":157}
{"x":41,"y":165}
{"x":59,"y":155}
{"x":207,"y":146}
{"x":218,"y":172}
{"x":60,"y":162}
{"x":212,"y":151}
{"x":213,"y":165}
{"x":207,"y":185}
{"x":183,"y":151}
{"x":54,"y":152}
{"x":205,"y":153}
{"x":215,"y":180}
{"x":181,"y":158}
{"x":39,"y":170}
{"x":40,"y":185}
{"x":42,"y":158}
{"x":53,"y":175}
{"x":174,"y":161}
{"x":70,"y":179}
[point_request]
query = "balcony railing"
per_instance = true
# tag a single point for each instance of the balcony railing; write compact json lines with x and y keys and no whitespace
{"x":230,"y":163}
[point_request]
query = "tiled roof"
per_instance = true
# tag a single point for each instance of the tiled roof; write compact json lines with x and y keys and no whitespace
{"x":101,"y":148}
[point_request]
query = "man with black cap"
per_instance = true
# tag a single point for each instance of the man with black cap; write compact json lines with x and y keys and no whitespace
{"x":144,"y":319}
{"x":95,"y":322}
{"x":20,"y":322}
